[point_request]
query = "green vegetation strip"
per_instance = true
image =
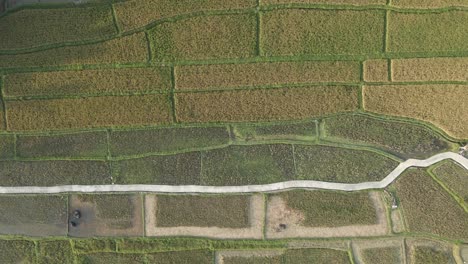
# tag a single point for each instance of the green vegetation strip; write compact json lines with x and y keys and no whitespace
{"x":304,"y":131}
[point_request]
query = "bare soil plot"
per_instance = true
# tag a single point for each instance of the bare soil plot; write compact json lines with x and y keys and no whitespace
{"x":245,"y":165}
{"x":106,"y":215}
{"x":307,"y":32}
{"x":163,"y":140}
{"x":253,"y":228}
{"x":205,"y":37}
{"x":84,"y":144}
{"x":217,"y":76}
{"x":376,"y":70}
{"x":428,"y":252}
{"x":388,"y":251}
{"x":454,"y":177}
{"x":17,"y":251}
{"x":179,"y":169}
{"x":7,"y":146}
{"x":333,"y":164}
{"x":429,"y":32}
{"x":28,"y":28}
{"x":325,"y":214}
{"x":88,"y":82}
{"x":128,"y":49}
{"x":139,"y":13}
{"x":350,"y":2}
{"x":436,"y":103}
{"x":265,"y":104}
{"x":54,"y":172}
{"x":33,"y":215}
{"x":428,"y":208}
{"x":430,"y":69}
{"x":89,"y":112}
{"x":54,"y":251}
{"x":402,"y":139}
{"x":428,"y":3}
{"x":304,"y":130}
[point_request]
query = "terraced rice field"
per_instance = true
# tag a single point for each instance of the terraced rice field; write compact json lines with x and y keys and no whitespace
{"x":231,"y":93}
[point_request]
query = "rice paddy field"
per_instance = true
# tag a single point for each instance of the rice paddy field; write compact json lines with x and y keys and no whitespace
{"x":222,"y":93}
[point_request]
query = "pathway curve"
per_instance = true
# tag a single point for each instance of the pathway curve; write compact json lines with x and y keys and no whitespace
{"x":243,"y":189}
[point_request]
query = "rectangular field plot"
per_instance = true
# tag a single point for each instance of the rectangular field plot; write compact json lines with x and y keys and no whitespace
{"x":265,"y":104}
{"x":193,"y":256}
{"x":106,"y":215}
{"x":316,"y":255}
{"x":430,"y":69}
{"x":455,"y":177}
{"x":436,"y":103}
{"x":28,"y":28}
{"x":17,"y":251}
{"x":429,"y":251}
{"x":428,"y":3}
{"x":7,"y":147}
{"x":214,"y":216}
{"x":250,"y":257}
{"x":321,"y":32}
{"x":200,"y":77}
{"x":376,"y":70}
{"x":33,"y":215}
{"x":325,"y":214}
{"x":139,"y":13}
{"x":349,"y":2}
{"x":88,"y":82}
{"x":426,"y":206}
{"x":128,"y":49}
{"x":275,"y":131}
{"x":206,"y":37}
{"x":332,"y":164}
{"x":2,"y":115}
{"x":245,"y":165}
{"x":89,"y":112}
{"x":445,"y":31}
{"x":114,"y":258}
{"x":54,"y":251}
{"x":53,"y":172}
{"x":180,"y":169}
{"x":391,"y":255}
{"x":84,"y":144}
{"x":402,"y":139}
{"x":162,"y":140}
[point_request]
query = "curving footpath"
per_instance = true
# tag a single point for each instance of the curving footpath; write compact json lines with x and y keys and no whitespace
{"x":242,"y":189}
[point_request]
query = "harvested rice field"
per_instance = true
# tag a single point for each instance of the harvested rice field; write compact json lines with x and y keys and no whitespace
{"x":225,"y":132}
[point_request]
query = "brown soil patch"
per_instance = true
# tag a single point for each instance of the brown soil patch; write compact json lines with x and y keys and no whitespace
{"x":257,"y":214}
{"x":278,"y":213}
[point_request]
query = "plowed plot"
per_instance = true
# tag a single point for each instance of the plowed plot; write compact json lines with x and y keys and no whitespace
{"x":200,"y":77}
{"x":245,"y":165}
{"x":54,"y":172}
{"x":89,"y":112}
{"x":166,"y":140}
{"x":35,"y":215}
{"x":454,"y":177}
{"x":88,"y":82}
{"x":325,"y":214}
{"x":85,"y":144}
{"x":428,"y":208}
{"x":320,"y":32}
{"x":351,"y":2}
{"x":7,"y":146}
{"x":139,"y":13}
{"x":332,"y":164}
{"x":403,"y":139}
{"x":29,"y":28}
{"x":17,"y":251}
{"x":430,"y":69}
{"x":54,"y":251}
{"x":265,"y":104}
{"x":205,"y":37}
{"x":128,"y":49}
{"x":428,"y":3}
{"x":441,"y":105}
{"x":106,"y":215}
{"x":207,"y":216}
{"x":180,"y":169}
{"x":276,"y":131}
{"x":431,"y":32}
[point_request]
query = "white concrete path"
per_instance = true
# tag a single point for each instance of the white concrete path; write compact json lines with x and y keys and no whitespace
{"x":242,"y":189}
